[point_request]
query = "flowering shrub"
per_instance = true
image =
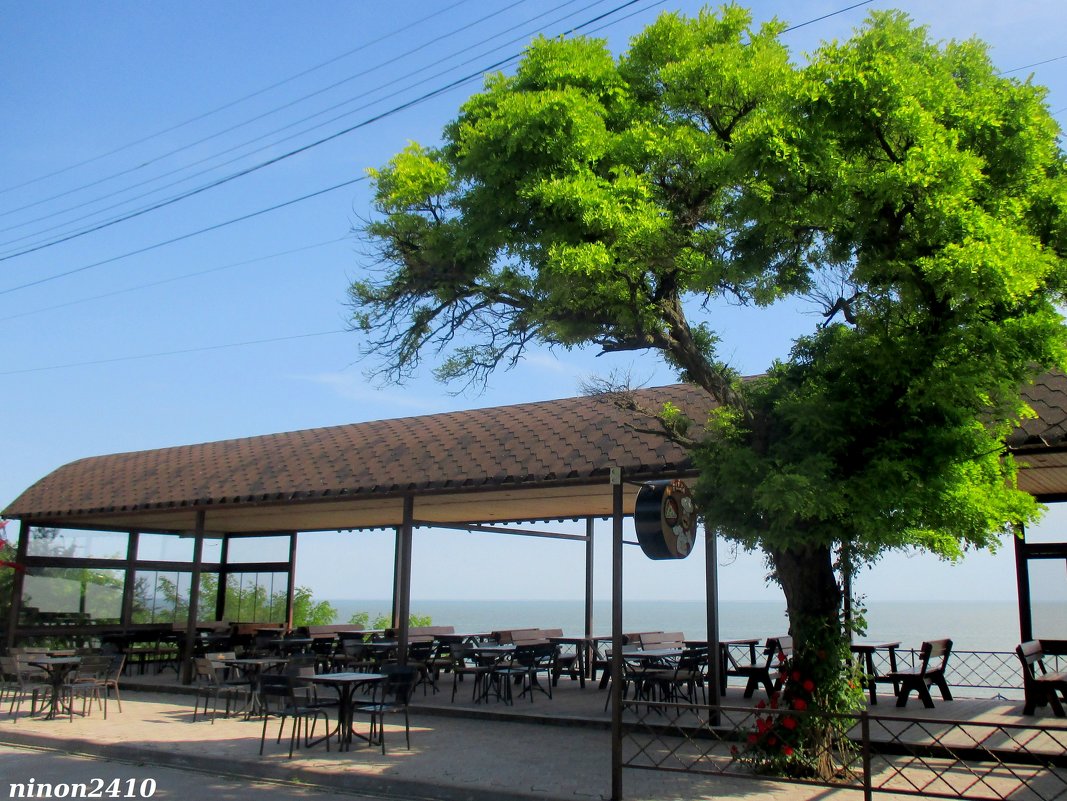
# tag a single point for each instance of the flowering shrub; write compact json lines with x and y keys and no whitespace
{"x":7,"y":550}
{"x":796,"y":732}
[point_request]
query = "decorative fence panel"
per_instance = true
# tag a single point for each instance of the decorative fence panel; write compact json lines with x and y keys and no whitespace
{"x":982,"y":761}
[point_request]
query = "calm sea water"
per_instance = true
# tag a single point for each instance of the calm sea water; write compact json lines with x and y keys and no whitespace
{"x":973,"y":626}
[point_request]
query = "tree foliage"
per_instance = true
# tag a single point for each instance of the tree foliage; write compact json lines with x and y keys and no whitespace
{"x":913,"y":192}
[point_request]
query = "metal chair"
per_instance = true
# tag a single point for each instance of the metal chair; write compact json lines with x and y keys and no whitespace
{"x":282,"y":689}
{"x":211,"y":684}
{"x":396,"y":692}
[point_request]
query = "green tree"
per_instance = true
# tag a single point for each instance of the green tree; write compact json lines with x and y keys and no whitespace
{"x":246,"y":603}
{"x":917,"y":195}
{"x":384,"y":621}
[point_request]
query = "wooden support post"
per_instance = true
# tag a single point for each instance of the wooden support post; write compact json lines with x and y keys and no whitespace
{"x":1022,"y":581}
{"x":616,"y":634}
{"x":189,"y":645}
{"x":224,"y":579}
{"x":129,"y":583}
{"x":403,"y":582}
{"x":18,"y":581}
{"x":711,"y":583}
{"x":290,"y":592}
{"x":589,"y":578}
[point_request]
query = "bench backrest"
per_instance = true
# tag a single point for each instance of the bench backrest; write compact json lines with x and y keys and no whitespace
{"x":663,"y":639}
{"x":1032,"y":657}
{"x":933,"y":656}
{"x":777,"y":649}
{"x":332,"y":629}
{"x":519,"y":636}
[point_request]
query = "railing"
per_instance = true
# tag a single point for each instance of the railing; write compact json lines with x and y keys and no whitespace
{"x":998,"y":671}
{"x":976,"y":760}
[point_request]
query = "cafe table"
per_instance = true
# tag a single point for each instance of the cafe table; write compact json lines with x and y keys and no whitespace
{"x":345,"y":684}
{"x":581,"y":647}
{"x":865,"y":652}
{"x":254,"y":667}
{"x":58,"y":669}
{"x":488,"y":655}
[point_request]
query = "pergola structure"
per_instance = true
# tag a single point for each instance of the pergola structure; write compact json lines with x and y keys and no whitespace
{"x":546,"y":461}
{"x":476,"y":469}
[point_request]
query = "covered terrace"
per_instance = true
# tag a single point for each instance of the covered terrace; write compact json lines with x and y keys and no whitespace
{"x":575,"y":458}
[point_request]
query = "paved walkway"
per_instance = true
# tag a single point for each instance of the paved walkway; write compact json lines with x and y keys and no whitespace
{"x":451,"y":758}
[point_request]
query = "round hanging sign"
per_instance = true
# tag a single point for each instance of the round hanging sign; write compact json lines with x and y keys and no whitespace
{"x":666,"y":520}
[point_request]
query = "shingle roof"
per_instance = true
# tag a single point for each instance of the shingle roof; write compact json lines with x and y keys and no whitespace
{"x":569,"y":442}
{"x":574,"y":440}
{"x":1048,"y":398}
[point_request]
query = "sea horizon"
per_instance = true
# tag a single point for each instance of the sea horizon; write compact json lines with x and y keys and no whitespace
{"x":971,"y":625}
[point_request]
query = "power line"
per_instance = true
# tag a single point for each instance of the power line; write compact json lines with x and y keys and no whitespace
{"x":183,"y":236}
{"x":1035,"y":64}
{"x":277,"y":142}
{"x":826,"y":16}
{"x":159,"y":354}
{"x":289,"y":202}
{"x":297,"y":151}
{"x":228,"y":105}
{"x":232,"y":128}
{"x":172,"y":279}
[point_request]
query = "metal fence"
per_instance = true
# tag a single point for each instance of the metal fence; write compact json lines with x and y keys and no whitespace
{"x":983,"y":761}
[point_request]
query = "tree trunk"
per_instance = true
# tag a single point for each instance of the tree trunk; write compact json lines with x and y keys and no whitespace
{"x":812,"y":594}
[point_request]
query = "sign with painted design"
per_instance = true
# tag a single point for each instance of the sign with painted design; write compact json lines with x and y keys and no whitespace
{"x":666,"y":520}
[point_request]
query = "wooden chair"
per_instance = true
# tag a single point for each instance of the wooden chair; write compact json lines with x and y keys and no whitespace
{"x":933,"y":658}
{"x":1042,"y":687}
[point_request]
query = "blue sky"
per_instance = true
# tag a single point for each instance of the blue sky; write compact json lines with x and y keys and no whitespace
{"x":111,"y":107}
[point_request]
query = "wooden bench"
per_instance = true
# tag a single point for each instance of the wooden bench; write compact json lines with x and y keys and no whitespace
{"x":654,"y":640}
{"x":1042,"y":687}
{"x":331,"y":631}
{"x":933,"y":658}
{"x":519,"y":636}
{"x":765,"y":670}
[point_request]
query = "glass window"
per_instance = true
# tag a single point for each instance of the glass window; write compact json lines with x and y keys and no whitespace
{"x":256,"y":597}
{"x":62,"y":596}
{"x":78,"y":543}
{"x":1052,"y":527}
{"x":163,"y":597}
{"x":1048,"y":598}
{"x":172,"y":548}
{"x":258,"y":549}
{"x":164,"y":548}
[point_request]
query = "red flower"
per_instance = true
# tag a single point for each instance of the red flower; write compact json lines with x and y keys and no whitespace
{"x":787,"y":750}
{"x":808,"y":686}
{"x":800,"y":704}
{"x":789,"y":723}
{"x":761,"y":705}
{"x":796,"y":675}
{"x":752,"y":739}
{"x":763,"y":726}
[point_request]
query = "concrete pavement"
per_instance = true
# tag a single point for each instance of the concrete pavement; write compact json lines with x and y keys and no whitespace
{"x":451,"y":758}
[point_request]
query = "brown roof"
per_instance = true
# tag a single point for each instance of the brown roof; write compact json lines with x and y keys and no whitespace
{"x":549,"y":444}
{"x":545,"y":460}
